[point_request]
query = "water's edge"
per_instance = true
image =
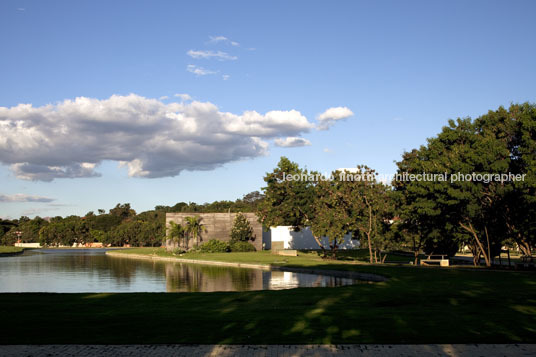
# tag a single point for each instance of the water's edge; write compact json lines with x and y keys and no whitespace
{"x":336,"y":273}
{"x":11,"y":254}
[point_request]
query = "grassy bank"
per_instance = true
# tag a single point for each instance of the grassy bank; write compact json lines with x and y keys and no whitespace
{"x":304,"y":258}
{"x":7,"y":249}
{"x":417,"y":305}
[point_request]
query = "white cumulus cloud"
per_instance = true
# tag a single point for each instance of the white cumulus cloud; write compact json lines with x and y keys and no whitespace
{"x":291,"y":142}
{"x":147,"y":136}
{"x":332,"y":115}
{"x":219,"y":55}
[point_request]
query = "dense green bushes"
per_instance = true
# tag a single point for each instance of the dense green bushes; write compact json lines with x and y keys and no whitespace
{"x":217,"y":246}
{"x":242,"y":247}
{"x":214,"y":246}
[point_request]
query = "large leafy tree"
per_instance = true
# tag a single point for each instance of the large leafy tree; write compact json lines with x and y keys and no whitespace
{"x":354,"y":202}
{"x":515,"y":128}
{"x":446,"y":209}
{"x":289,"y":200}
{"x":332,"y":213}
{"x":333,"y":207}
{"x":479,"y":212}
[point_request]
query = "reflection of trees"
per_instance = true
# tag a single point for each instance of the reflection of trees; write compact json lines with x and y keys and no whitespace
{"x":181,"y":277}
{"x":244,"y":279}
{"x":76,"y":268}
{"x":189,"y":277}
{"x":93,"y":263}
{"x":122,"y":270}
{"x":70,"y":260}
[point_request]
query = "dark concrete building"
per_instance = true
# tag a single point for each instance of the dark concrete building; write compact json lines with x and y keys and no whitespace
{"x":218,"y":226}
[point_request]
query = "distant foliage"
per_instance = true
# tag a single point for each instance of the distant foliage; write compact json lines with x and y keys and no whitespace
{"x":214,"y":246}
{"x":118,"y":227}
{"x":249,"y":203}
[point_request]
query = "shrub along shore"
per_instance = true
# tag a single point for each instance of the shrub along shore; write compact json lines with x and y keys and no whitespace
{"x":416,"y":305}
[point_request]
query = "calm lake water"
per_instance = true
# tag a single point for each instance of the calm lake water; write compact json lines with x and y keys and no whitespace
{"x":90,"y":270}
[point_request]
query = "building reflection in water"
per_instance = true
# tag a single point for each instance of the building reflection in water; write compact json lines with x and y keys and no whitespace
{"x":208,"y":278}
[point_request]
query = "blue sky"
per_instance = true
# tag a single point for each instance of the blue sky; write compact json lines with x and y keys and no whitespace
{"x":402,"y":68}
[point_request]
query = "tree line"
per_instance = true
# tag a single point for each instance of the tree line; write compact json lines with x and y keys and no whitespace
{"x":119,"y":226}
{"x":434,"y":216}
{"x":248,"y":203}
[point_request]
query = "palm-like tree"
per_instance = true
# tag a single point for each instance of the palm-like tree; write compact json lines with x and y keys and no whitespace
{"x":194,"y":228}
{"x":176,"y":232}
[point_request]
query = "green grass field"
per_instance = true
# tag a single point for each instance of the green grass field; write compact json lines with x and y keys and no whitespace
{"x":304,"y":258}
{"x":10,"y":249}
{"x":416,"y":305}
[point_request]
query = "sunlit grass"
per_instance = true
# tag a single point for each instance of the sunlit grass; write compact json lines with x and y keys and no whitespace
{"x":304,"y":258}
{"x":10,"y":249}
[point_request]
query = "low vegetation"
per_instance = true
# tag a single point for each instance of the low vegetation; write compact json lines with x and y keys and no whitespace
{"x":214,"y":246}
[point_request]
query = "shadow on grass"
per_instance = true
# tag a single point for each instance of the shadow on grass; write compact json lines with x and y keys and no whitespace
{"x":414,"y":306}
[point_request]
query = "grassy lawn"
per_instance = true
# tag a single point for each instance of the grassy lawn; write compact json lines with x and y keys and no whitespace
{"x":10,"y":249}
{"x":262,"y":257}
{"x":417,"y":305}
{"x":304,"y":258}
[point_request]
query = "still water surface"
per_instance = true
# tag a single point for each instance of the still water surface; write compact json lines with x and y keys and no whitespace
{"x":90,"y":270}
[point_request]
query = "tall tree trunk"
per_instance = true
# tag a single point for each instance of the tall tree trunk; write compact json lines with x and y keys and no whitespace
{"x":369,"y":232}
{"x":415,"y":250}
{"x":525,"y":247}
{"x":319,"y":242}
{"x":475,"y":252}
{"x":471,"y":230}
{"x":521,"y":242}
{"x":489,"y":246}
{"x":383,"y":258}
{"x":316,"y":238}
{"x":369,"y":247}
{"x":334,"y":248}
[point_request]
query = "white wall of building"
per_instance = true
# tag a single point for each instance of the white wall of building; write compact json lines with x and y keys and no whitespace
{"x":28,"y":245}
{"x":304,"y":239}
